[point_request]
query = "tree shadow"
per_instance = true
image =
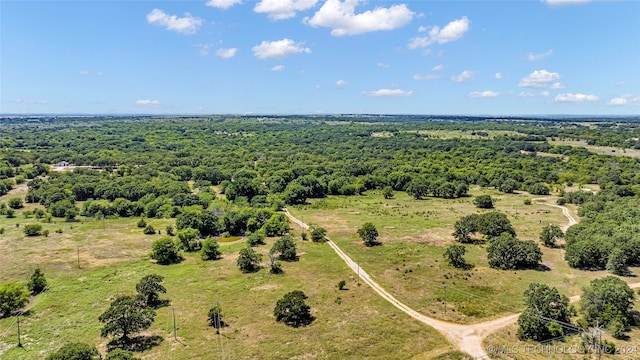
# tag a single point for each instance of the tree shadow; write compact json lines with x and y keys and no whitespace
{"x":467,"y":266}
{"x":301,"y":322}
{"x":135,"y":344}
{"x":541,"y":267}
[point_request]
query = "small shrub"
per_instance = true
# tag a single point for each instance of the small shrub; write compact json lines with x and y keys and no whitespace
{"x":141,"y":223}
{"x":32,"y":229}
{"x":45,"y":233}
{"x":58,"y":231}
{"x":149,"y":230}
{"x":276,"y":268}
{"x":210,"y":249}
{"x":342,"y":284}
{"x":527,"y":201}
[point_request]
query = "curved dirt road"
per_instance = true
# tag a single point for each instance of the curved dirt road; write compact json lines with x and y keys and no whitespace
{"x":565,"y":212}
{"x":468,"y":338}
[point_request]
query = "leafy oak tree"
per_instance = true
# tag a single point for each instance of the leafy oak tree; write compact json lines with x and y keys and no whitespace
{"x":126,"y":315}
{"x":292,"y":310}
{"x":369,"y":234}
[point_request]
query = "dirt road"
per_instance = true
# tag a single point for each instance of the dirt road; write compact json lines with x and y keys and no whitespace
{"x":467,"y":338}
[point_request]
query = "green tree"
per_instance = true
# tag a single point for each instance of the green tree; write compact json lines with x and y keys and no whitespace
{"x":149,"y":288}
{"x":292,"y":310}
{"x":277,"y":225}
{"x":286,"y":248}
{"x":318,"y":234}
{"x":210,"y":249}
{"x":255,"y":239}
{"x":119,"y":354}
{"x":455,"y":256}
{"x":149,"y":230}
{"x":170,"y":230}
{"x":369,"y":234}
{"x":13,"y":297}
{"x":126,"y":316}
{"x":464,"y":227}
{"x":387,"y":192}
{"x":295,"y":194}
{"x":189,"y":239}
{"x":617,"y":262}
{"x":549,"y":234}
{"x":483,"y":202}
{"x":37,"y":282}
{"x":75,"y":351}
{"x":539,"y":189}
{"x":15,"y":203}
{"x":607,"y":299}
{"x":545,"y":309}
{"x":506,"y":252}
{"x":32,"y":229}
{"x":141,"y":223}
{"x":495,"y":223}
{"x":165,"y":251}
{"x":418,"y":188}
{"x":249,"y":260}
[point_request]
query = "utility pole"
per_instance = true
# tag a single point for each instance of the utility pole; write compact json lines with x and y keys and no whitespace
{"x":18,"y":319}
{"x":173,"y":312}
{"x":445,"y":300}
{"x":358,"y":272}
{"x":216,"y":319}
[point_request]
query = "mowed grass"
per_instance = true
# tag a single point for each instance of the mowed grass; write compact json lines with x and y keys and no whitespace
{"x":353,"y":323}
{"x":414,"y":235}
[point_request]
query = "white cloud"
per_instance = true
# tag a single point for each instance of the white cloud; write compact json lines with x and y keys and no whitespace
{"x":565,"y":2}
{"x":483,"y":94}
{"x":283,"y":9}
{"x":279,"y":49}
{"x":620,"y":83}
{"x":184,"y":25}
{"x":624,"y":100}
{"x":383,"y":65}
{"x":438,"y":68}
{"x":278,"y":68}
{"x":148,"y":102}
{"x":90,"y":73}
{"x":464,"y":76}
{"x":557,"y":85}
{"x":451,"y":32}
{"x":388,"y":92}
{"x":422,"y":28}
{"x":223,"y":4}
{"x":529,"y":94}
{"x":204,"y":49}
{"x":226,"y":53}
{"x":498,"y":76}
{"x":31,"y":101}
{"x":619,"y":101}
{"x":569,"y":97}
{"x":340,"y":16}
{"x":539,"y":79}
{"x":426,"y":77}
{"x":341,"y":83}
{"x":535,"y":57}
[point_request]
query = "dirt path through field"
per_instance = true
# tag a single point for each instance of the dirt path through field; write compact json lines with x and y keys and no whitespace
{"x":467,"y":338}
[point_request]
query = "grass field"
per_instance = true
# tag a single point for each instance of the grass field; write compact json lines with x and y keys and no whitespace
{"x":353,"y":323}
{"x":605,"y":150}
{"x":414,"y":235}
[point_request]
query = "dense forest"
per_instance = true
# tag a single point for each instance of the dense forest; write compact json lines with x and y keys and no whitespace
{"x":152,"y":165}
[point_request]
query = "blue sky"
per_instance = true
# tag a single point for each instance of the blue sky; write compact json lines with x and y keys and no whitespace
{"x":314,"y":56}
